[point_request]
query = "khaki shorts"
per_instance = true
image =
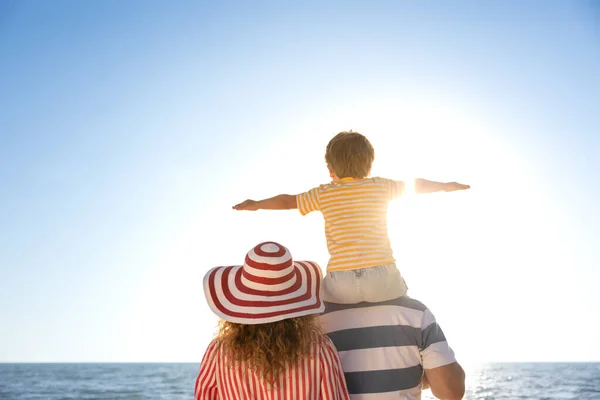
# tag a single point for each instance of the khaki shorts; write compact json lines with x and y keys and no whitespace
{"x":372,"y":284}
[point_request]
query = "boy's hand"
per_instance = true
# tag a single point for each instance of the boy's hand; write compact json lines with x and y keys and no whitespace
{"x":452,"y":186}
{"x":248,"y":205}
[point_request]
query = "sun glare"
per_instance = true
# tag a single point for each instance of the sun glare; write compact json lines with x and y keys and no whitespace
{"x":433,"y":236}
{"x":446,"y":244}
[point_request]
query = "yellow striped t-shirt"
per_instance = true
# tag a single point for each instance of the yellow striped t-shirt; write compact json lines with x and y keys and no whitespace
{"x":355,"y":214}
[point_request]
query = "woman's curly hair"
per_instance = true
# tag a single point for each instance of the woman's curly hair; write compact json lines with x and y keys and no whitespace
{"x":270,"y":348}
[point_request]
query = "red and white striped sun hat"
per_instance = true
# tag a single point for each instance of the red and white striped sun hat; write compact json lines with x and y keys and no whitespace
{"x":269,"y":287}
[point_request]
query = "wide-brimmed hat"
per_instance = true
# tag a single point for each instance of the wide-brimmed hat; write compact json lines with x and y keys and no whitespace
{"x":269,"y":287}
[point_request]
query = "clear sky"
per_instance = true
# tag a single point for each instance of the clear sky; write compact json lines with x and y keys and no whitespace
{"x":129,"y":129}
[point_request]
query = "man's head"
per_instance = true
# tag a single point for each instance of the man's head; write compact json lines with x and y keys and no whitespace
{"x":349,"y":155}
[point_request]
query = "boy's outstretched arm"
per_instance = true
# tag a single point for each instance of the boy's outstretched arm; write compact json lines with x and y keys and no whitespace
{"x":425,"y":186}
{"x":280,"y":202}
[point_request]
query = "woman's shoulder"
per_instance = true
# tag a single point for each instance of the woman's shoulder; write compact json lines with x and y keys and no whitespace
{"x":324,"y":343}
{"x":214,"y":346}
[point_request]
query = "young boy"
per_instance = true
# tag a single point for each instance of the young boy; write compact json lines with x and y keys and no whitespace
{"x":354,"y":207}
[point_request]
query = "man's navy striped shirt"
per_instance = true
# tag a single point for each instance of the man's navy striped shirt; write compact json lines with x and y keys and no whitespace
{"x":385,"y":346}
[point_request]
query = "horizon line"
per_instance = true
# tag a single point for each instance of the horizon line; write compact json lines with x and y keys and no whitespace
{"x":198,"y":362}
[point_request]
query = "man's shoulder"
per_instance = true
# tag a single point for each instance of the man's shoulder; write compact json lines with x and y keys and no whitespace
{"x":404,"y":313}
{"x":404,"y":302}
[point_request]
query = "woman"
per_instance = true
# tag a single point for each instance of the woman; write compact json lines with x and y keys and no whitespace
{"x":269,"y":345}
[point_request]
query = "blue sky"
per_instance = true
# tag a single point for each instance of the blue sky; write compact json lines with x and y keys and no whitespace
{"x":129,"y":129}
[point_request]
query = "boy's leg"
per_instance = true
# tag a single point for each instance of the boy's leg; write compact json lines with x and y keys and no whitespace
{"x":341,"y":287}
{"x":381,"y":283}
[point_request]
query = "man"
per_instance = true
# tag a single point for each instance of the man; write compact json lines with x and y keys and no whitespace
{"x":393,"y":350}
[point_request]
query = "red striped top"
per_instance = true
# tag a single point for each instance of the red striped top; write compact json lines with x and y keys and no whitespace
{"x":317,"y":377}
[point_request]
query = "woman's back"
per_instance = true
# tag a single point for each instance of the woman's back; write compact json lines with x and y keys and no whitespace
{"x":316,"y":376}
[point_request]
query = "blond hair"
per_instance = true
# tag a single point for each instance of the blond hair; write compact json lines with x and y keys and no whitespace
{"x":350,"y":155}
{"x":269,"y":349}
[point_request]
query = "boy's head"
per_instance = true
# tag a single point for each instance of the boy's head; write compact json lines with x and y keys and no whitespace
{"x":349,"y":155}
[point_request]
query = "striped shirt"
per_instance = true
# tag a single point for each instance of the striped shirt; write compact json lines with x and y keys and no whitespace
{"x":317,"y":377}
{"x":385,"y":346}
{"x":355,"y":214}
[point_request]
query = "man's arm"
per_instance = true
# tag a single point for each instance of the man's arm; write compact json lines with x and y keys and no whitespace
{"x":446,"y":382}
{"x":425,"y":186}
{"x":424,"y":382}
{"x":279,"y":202}
{"x":443,"y":374}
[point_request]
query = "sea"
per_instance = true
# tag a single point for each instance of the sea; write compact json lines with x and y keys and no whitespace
{"x":511,"y":381}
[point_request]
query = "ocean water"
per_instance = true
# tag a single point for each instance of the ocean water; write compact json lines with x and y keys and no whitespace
{"x":510,"y":381}
{"x":539,"y":381}
{"x":97,"y":381}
